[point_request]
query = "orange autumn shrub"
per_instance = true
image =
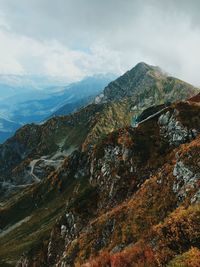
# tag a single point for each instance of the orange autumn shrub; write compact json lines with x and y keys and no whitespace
{"x":188,"y":259}
{"x":136,"y":256}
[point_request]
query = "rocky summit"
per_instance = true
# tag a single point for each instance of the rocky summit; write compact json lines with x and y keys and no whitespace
{"x":114,"y":184}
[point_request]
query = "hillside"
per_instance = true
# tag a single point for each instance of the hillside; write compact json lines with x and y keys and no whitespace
{"x":128,"y":182}
{"x":87,"y":189}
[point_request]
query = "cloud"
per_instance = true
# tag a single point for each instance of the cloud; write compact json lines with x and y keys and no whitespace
{"x":76,"y":38}
{"x":24,"y":55}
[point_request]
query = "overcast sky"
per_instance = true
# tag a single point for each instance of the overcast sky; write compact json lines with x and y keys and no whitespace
{"x":77,"y":38}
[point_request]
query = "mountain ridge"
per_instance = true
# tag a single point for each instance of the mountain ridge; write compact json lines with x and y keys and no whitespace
{"x":143,"y":75}
{"x":84,"y":128}
{"x":96,"y":167}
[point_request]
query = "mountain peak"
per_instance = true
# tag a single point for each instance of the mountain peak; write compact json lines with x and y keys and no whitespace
{"x":140,"y":68}
{"x":143,"y":67}
{"x":146,"y":80}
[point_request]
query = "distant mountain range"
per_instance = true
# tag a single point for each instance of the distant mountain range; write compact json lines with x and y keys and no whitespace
{"x":26,"y":101}
{"x":7,"y":128}
{"x":16,"y":84}
{"x":95,"y":188}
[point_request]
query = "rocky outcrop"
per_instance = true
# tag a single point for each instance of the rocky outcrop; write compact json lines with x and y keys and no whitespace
{"x":185,"y":180}
{"x":173,"y":130}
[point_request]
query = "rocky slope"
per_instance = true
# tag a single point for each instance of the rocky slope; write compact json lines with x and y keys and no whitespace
{"x":94,"y":191}
{"x":133,"y":199}
{"x":41,"y":148}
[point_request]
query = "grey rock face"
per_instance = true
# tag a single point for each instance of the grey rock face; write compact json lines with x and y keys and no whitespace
{"x":118,"y":248}
{"x":23,"y":262}
{"x":185,"y":180}
{"x":173,"y":130}
{"x":63,"y":235}
{"x":71,"y":227}
{"x":196,"y":197}
{"x":105,"y":235}
{"x":106,"y":172}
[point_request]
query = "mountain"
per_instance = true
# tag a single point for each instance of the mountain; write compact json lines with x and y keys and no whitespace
{"x":15,"y":89}
{"x":26,"y":105}
{"x":81,"y":93}
{"x":7,"y":128}
{"x":29,"y":82}
{"x":89,"y":189}
{"x":145,"y":81}
{"x":21,"y":86}
{"x":51,"y":100}
{"x":86,"y":126}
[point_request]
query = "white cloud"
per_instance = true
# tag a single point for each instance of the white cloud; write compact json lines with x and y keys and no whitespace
{"x":24,"y":55}
{"x":75,"y":38}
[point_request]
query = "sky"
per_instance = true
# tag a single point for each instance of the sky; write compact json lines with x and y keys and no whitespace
{"x":78,"y":38}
